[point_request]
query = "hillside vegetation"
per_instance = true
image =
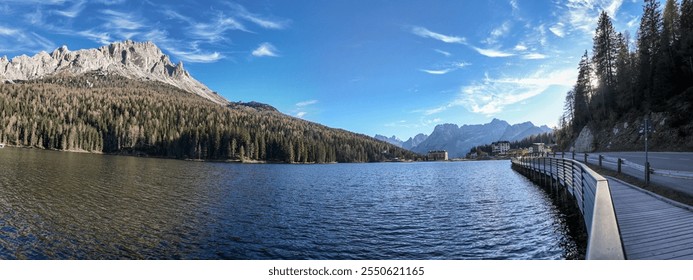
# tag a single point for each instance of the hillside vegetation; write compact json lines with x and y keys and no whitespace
{"x":620,"y":86}
{"x":112,"y":114}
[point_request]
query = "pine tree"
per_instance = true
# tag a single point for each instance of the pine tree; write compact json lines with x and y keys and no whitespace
{"x":625,"y":75}
{"x":686,"y":45}
{"x":582,"y":92}
{"x":648,"y":51}
{"x":604,"y":52}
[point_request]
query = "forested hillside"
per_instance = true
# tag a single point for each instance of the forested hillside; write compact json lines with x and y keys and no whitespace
{"x":622,"y":83}
{"x":106,"y":113}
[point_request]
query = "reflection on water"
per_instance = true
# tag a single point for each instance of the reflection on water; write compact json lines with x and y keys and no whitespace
{"x":57,"y":205}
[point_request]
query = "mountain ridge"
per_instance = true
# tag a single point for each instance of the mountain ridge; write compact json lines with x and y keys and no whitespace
{"x":135,"y":60}
{"x":457,"y":140}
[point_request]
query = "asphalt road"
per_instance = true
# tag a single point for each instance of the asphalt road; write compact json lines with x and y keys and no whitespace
{"x":658,"y":161}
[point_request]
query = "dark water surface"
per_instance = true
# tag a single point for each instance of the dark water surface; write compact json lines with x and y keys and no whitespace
{"x":57,"y":205}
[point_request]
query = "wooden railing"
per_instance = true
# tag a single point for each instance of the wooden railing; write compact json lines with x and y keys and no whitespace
{"x":592,"y":196}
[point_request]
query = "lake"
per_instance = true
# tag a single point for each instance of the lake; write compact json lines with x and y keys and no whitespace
{"x":60,"y":205}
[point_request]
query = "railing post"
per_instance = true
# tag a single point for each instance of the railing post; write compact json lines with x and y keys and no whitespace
{"x":600,"y":160}
{"x":619,"y":165}
{"x":562,"y":154}
{"x":585,"y":158}
{"x":573,"y":154}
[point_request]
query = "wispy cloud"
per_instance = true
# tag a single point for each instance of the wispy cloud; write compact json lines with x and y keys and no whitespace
{"x":301,"y":107}
{"x":492,"y":52}
{"x":6,"y":31}
{"x":514,"y":5}
{"x":23,"y":40}
{"x":446,"y":68}
{"x":437,"y":72}
{"x":196,"y":56}
{"x":306,"y":103}
{"x":520,"y":47}
{"x":534,"y":56}
{"x":34,"y":2}
{"x":261,"y":21}
{"x":491,"y":96}
{"x":101,"y":37}
{"x":558,"y":30}
{"x":72,"y":11}
{"x":215,"y":31}
{"x":497,"y":33}
{"x":422,"y":122}
{"x":583,"y":14}
{"x":111,"y":2}
{"x":122,"y":20}
{"x":265,"y":49}
{"x":425,"y":33}
{"x":443,"y":52}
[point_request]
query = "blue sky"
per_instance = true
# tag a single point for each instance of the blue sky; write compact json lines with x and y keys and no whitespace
{"x":377,"y":66}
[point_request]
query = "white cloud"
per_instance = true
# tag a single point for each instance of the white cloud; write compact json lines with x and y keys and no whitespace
{"x":34,"y":2}
{"x":492,"y":52}
{"x":520,"y":47}
{"x":422,"y":122}
{"x":583,"y":14}
{"x":306,"y":103}
{"x":513,"y":4}
{"x":111,"y":2}
{"x":101,"y":37}
{"x":497,"y":33}
{"x":491,"y":96}
{"x":73,"y":11}
{"x":196,"y":56}
{"x":534,"y":56}
{"x":446,"y":68}
{"x":214,"y":31}
{"x":425,"y":33}
{"x":265,"y":49}
{"x":301,"y":110}
{"x":443,"y":52}
{"x":261,"y":21}
{"x":557,"y":30}
{"x":121,"y":20}
{"x":6,"y":31}
{"x":633,"y":22}
{"x":437,"y":72}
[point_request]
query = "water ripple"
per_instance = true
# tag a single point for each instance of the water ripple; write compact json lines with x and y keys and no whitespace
{"x":75,"y":206}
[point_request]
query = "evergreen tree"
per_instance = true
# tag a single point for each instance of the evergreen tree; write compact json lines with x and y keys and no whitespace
{"x":686,"y":44}
{"x":648,"y":51}
{"x":581,"y":94}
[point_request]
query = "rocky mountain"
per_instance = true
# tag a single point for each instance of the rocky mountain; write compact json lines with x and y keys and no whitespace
{"x":414,"y":141}
{"x":392,"y":140}
{"x":142,"y":61}
{"x":457,"y":140}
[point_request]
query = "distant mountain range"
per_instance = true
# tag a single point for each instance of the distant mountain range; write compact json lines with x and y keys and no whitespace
{"x":458,"y":140}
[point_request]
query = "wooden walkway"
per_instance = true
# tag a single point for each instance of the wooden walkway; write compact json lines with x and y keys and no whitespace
{"x":651,"y":227}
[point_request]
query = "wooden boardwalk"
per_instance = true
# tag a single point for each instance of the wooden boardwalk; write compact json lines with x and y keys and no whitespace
{"x":651,"y":227}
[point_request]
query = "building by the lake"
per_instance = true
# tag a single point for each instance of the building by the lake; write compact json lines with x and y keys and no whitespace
{"x":500,"y":147}
{"x":437,"y":155}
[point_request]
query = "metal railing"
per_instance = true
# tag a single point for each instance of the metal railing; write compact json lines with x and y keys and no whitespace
{"x":592,"y":196}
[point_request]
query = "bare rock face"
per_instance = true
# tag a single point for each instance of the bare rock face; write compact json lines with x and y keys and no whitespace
{"x":585,"y":141}
{"x":144,"y":61}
